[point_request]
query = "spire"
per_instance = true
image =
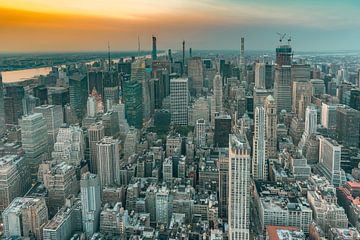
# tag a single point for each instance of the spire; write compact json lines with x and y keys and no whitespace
{"x":109,"y":55}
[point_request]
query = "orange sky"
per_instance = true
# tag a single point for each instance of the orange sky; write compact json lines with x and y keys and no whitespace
{"x":87,"y":25}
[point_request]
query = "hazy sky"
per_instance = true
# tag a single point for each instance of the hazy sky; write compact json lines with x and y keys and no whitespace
{"x":87,"y":25}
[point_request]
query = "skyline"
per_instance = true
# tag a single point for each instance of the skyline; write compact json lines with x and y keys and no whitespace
{"x":71,"y":26}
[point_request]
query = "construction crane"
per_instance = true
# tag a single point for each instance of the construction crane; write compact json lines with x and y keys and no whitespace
{"x":289,"y":40}
{"x":281,"y":35}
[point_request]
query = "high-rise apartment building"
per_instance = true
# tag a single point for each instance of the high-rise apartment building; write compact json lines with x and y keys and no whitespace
{"x":239,"y":187}
{"x":328,"y":115}
{"x":91,"y":202}
{"x":15,"y":179}
{"x":218,"y":93}
{"x":25,"y":217}
{"x":34,"y":138}
{"x":179,"y":100}
{"x":108,"y":157}
{"x":259,"y":166}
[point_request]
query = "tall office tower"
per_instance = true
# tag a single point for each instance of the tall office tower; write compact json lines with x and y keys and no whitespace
{"x":25,"y":217}
{"x":223,"y":166}
{"x":222,"y":130}
{"x":347,"y":126}
{"x":330,"y":160}
{"x":15,"y":179}
{"x":78,"y":88}
{"x":328,"y":116}
{"x":13,"y":103}
{"x":69,"y":146}
{"x":300,"y":76}
{"x":34,"y":138}
{"x":91,"y":203}
{"x":138,"y":75}
{"x":54,"y":117}
{"x":2,"y":109}
{"x":269,"y":75}
{"x":259,"y":166}
{"x":200,"y":133}
{"x":131,"y":142}
{"x":282,"y":81}
{"x":199,"y":110}
{"x":41,"y":92}
{"x":110,"y":121}
{"x":310,"y":124}
{"x":154,"y":50}
{"x":60,"y":181}
{"x":163,"y":206}
{"x":123,"y":124}
{"x":239,"y":187}
{"x":179,"y":100}
{"x":108,"y":156}
{"x":271,"y":127}
{"x":218,"y":93}
{"x":260,"y":75}
{"x":91,"y":107}
{"x":96,"y":132}
{"x":132,"y":96}
{"x":95,"y":81}
{"x":196,"y":74}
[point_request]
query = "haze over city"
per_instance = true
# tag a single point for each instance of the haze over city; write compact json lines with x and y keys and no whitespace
{"x":68,"y":26}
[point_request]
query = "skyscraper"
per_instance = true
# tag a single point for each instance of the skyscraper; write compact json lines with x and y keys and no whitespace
{"x":222,"y":130}
{"x":2,"y":109}
{"x":108,"y":157}
{"x":239,"y":187}
{"x":196,"y":74}
{"x":179,"y":100}
{"x":78,"y":88}
{"x":259,"y":166}
{"x":132,"y":96}
{"x":13,"y":103}
{"x":260,"y":75}
{"x":200,"y":132}
{"x":91,"y":202}
{"x":34,"y":138}
{"x":218,"y":93}
{"x":310,"y":124}
{"x":154,"y":50}
{"x":347,"y":126}
{"x":282,"y":82}
{"x":96,"y":132}
{"x":271,"y":127}
{"x":138,"y":75}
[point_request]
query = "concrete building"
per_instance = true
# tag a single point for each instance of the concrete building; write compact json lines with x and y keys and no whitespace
{"x":25,"y":217}
{"x":195,"y":74}
{"x":200,"y":110}
{"x":91,"y":203}
{"x":15,"y":179}
{"x":260,"y":75}
{"x":348,"y":126}
{"x":179,"y":100}
{"x":239,"y":187}
{"x":167,"y":168}
{"x":223,"y":127}
{"x":328,"y":116}
{"x":163,"y":206}
{"x":34,"y":138}
{"x":108,"y":155}
{"x":173,"y":144}
{"x":259,"y":165}
{"x":66,"y":222}
{"x":2,"y":109}
{"x":282,"y":81}
{"x":96,"y":132}
{"x":270,"y":127}
{"x":330,"y":160}
{"x":218,"y":93}
{"x":131,"y":142}
{"x":200,"y":132}
{"x":61,"y":182}
{"x":69,"y":146}
{"x":54,"y":117}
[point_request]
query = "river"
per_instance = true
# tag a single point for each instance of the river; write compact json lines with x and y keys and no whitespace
{"x":21,"y":75}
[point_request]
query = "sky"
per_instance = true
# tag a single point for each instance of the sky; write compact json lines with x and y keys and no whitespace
{"x":88,"y":25}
